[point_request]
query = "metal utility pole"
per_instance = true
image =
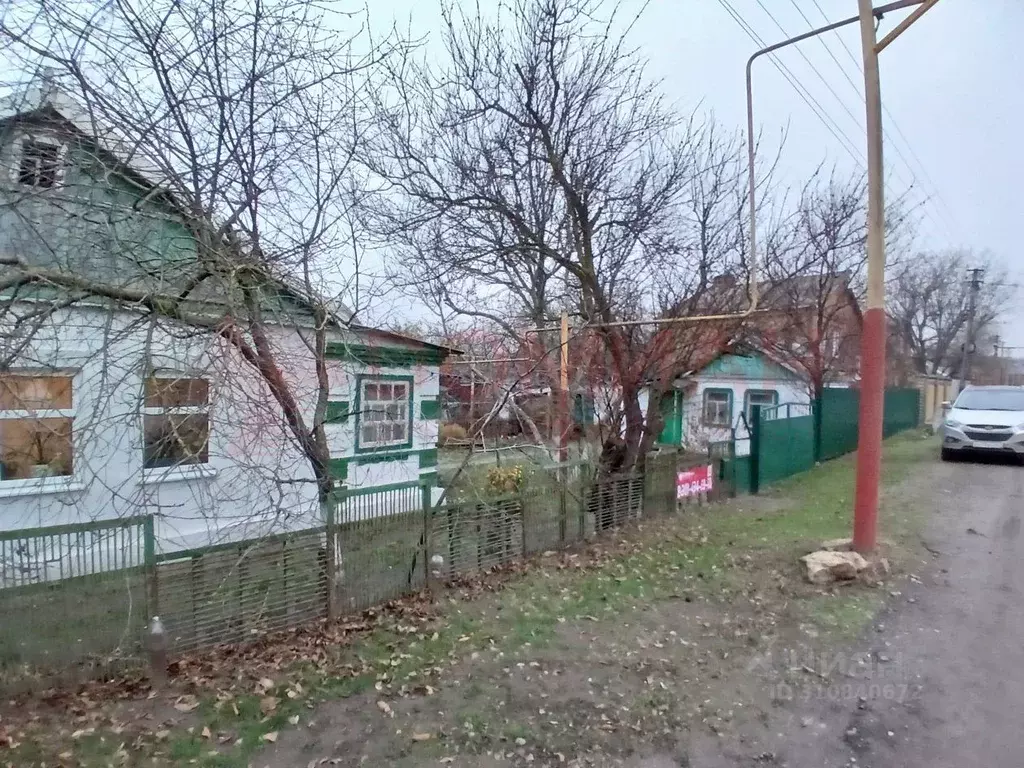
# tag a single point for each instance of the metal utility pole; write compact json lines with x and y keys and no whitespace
{"x":972,"y":309}
{"x":873,"y":332}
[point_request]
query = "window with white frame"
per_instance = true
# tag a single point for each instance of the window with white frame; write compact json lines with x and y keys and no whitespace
{"x":384,"y":415}
{"x":176,"y":421}
{"x":766,"y":398}
{"x":36,"y":424}
{"x":718,"y":407}
{"x":39,"y":163}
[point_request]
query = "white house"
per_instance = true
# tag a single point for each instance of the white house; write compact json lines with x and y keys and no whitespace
{"x":715,"y":403}
{"x":109,"y":411}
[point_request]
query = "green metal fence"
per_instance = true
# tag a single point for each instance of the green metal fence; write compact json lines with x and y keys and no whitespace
{"x":785,"y":441}
{"x":73,"y":600}
{"x":902,"y":410}
{"x":839,"y":412}
{"x":790,"y":438}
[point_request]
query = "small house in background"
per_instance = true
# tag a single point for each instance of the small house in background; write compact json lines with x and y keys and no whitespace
{"x":715,"y":403}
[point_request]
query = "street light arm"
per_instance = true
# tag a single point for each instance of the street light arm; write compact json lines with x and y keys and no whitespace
{"x":751,"y":193}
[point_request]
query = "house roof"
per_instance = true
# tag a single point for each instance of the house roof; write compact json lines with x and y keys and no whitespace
{"x":44,"y":98}
{"x":743,"y":361}
{"x":794,"y":292}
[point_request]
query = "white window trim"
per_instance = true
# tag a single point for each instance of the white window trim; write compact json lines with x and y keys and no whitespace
{"x":179,"y":472}
{"x":378,"y":444}
{"x":182,"y":473}
{"x":707,"y":399}
{"x":40,"y":486}
{"x":62,"y":153}
{"x":748,"y":405}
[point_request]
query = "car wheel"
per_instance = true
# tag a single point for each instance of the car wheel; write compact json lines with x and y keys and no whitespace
{"x":947,"y":455}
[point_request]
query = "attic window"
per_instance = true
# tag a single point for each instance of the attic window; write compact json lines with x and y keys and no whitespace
{"x":40,"y":163}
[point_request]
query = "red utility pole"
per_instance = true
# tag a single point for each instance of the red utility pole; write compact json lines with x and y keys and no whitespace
{"x":873,"y":332}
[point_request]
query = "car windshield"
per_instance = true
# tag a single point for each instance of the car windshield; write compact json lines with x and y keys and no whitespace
{"x":991,"y":400}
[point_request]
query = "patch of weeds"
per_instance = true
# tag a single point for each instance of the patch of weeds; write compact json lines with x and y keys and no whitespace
{"x":475,"y":727}
{"x":844,"y":615}
{"x":514,"y":731}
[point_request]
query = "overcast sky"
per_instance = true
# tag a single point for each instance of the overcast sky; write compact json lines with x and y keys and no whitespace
{"x":952,"y":85}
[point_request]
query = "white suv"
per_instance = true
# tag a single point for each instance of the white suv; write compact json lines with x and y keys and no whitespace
{"x":985,"y":419}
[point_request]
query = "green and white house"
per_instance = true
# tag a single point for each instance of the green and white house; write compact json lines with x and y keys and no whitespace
{"x":715,"y":403}
{"x":112,"y":414}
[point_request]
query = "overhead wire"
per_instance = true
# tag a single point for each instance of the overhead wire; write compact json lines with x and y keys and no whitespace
{"x":931,"y":189}
{"x":808,"y":98}
{"x":910,"y":184}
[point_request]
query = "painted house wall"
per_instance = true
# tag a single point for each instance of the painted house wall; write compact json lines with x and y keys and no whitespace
{"x":738,"y":374}
{"x":256,"y":482}
{"x":97,"y":223}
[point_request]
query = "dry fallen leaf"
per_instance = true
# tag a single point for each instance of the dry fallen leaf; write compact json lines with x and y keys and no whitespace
{"x":293,"y":720}
{"x":447,"y":760}
{"x":384,"y":707}
{"x":161,"y":735}
{"x":206,"y":733}
{"x":186,"y":703}
{"x":268,"y":704}
{"x":271,"y":737}
{"x":421,"y":737}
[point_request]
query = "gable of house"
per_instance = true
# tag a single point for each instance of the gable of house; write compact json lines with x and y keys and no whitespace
{"x":750,"y":367}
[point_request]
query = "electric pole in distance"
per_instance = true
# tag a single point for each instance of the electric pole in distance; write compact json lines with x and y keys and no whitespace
{"x":972,"y":309}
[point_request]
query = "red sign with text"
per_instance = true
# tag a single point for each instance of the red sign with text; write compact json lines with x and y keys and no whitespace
{"x":691,"y":482}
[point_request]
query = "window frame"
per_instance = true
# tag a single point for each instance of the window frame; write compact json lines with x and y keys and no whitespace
{"x":362,"y":380}
{"x":177,"y":410}
{"x":18,"y":485}
{"x":746,"y":400}
{"x":18,"y":146}
{"x":704,"y":407}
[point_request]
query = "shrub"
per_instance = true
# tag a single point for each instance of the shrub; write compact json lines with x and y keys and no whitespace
{"x":501,"y":480}
{"x":451,"y":432}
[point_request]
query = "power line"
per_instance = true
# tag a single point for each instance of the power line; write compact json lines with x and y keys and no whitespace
{"x":932,"y":189}
{"x":820,"y":112}
{"x":913,"y":179}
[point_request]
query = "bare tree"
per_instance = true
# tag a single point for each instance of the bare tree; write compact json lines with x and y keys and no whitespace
{"x":537,"y":168}
{"x":929,"y":305}
{"x":815,"y":279}
{"x":208,"y":192}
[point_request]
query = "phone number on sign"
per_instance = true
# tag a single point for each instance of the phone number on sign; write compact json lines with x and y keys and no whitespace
{"x":693,"y":481}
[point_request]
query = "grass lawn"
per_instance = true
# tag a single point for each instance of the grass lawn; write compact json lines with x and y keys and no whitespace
{"x":724,"y":561}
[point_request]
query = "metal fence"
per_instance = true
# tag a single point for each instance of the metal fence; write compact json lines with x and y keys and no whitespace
{"x":791,"y":438}
{"x":73,"y":600}
{"x":82,"y":594}
{"x":783,"y":442}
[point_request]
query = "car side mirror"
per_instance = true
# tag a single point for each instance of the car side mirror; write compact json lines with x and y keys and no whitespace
{"x":946,"y":405}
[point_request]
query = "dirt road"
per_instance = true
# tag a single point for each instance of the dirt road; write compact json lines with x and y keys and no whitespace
{"x":950,"y":648}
